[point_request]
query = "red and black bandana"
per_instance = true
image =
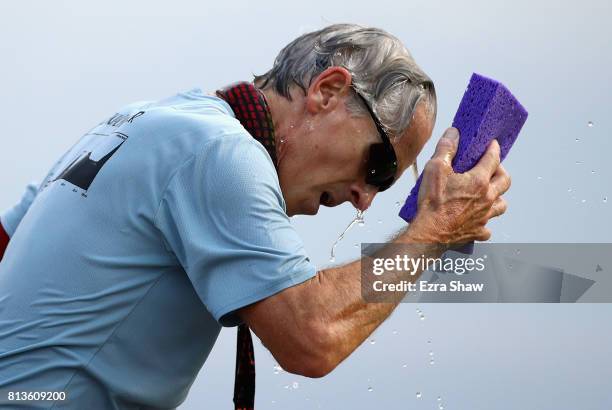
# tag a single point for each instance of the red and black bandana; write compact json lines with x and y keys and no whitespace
{"x":251,"y":109}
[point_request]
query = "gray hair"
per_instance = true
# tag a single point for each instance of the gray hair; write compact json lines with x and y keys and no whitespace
{"x":382,"y":68}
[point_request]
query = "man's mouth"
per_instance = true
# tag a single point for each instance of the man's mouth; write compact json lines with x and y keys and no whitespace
{"x":325,"y":199}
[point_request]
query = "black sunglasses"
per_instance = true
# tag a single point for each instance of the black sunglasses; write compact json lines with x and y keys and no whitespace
{"x":382,"y":161}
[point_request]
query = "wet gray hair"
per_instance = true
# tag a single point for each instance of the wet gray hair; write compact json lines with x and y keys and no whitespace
{"x":383,"y":71}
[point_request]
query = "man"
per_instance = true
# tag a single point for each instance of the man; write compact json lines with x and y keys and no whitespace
{"x":170,"y":219}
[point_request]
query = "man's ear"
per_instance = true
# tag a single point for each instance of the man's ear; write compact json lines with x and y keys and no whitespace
{"x":328,"y":89}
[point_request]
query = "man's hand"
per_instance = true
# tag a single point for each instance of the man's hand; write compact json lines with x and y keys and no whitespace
{"x":454,"y":208}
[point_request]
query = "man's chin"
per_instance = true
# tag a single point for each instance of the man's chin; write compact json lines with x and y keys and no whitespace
{"x":310,"y":208}
{"x":305,"y":209}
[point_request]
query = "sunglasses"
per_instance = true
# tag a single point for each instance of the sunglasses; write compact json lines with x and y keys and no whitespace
{"x":382,"y":161}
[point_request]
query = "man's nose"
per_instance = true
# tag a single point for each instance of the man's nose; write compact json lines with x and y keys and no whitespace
{"x":362,"y":196}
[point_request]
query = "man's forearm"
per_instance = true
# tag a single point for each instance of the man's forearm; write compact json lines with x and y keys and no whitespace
{"x":318,"y":323}
{"x":348,"y":314}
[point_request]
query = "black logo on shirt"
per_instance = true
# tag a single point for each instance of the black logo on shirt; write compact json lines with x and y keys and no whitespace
{"x":83,"y":170}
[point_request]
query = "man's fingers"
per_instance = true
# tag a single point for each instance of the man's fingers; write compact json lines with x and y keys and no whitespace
{"x":484,"y":235}
{"x":498,"y":208}
{"x":500,"y":182}
{"x":447,"y":146}
{"x":490,"y":160}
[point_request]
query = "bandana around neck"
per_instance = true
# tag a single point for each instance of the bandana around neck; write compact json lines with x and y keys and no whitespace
{"x":251,"y":109}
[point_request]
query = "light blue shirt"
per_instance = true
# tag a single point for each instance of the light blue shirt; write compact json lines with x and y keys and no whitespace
{"x":141,"y":242}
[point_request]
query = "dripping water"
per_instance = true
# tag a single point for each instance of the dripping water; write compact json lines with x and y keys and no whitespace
{"x":358,"y":219}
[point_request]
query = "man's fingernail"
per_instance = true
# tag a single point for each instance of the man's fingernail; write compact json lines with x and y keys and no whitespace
{"x":454,"y":134}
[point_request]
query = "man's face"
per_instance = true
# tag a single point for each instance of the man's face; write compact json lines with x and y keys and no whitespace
{"x":323,"y":154}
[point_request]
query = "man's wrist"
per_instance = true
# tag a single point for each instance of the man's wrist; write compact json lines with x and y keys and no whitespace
{"x":427,"y":244}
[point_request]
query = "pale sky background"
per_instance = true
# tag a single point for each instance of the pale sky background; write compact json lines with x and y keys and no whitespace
{"x":67,"y":64}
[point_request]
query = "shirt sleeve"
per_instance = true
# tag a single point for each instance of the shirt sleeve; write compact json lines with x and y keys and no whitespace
{"x":11,"y":218}
{"x":223,"y":216}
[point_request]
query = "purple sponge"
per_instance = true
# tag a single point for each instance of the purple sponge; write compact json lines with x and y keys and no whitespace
{"x":487,"y":111}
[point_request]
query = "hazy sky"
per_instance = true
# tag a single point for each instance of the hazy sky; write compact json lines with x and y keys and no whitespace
{"x":66,"y":65}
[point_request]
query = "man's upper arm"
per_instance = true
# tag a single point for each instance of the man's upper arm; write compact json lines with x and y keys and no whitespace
{"x":223,"y":217}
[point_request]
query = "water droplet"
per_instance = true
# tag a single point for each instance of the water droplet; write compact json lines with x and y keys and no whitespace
{"x":577,"y":139}
{"x":356,"y":245}
{"x":431,"y":362}
{"x":539,"y":177}
{"x":605,"y":199}
{"x":578,"y":162}
{"x":429,"y":342}
{"x":418,"y":395}
{"x":405,"y":365}
{"x":441,"y":406}
{"x":590,"y":124}
{"x":286,"y":386}
{"x":359,"y":218}
{"x":332,"y":259}
{"x":397,"y":203}
{"x":569,"y":189}
{"x":593,"y":172}
{"x":422,"y":317}
{"x":380,"y":221}
{"x":395,"y":331}
{"x":439,"y":398}
{"x":370,"y":389}
{"x":598,"y":268}
{"x":277,"y":369}
{"x":583,"y":201}
{"x":372,"y":341}
{"x":518,"y":251}
{"x":295,"y":385}
{"x":431,"y":353}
